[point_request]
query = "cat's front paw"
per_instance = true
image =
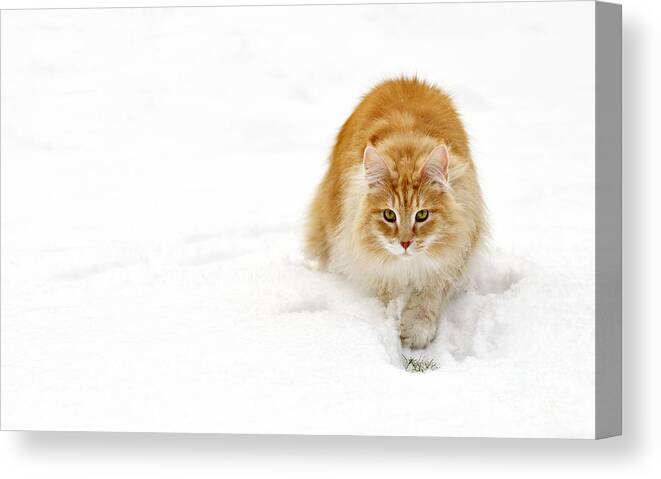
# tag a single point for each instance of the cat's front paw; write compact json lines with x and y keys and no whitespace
{"x":417,"y":328}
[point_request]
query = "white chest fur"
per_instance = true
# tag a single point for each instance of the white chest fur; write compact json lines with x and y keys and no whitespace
{"x":366,"y":269}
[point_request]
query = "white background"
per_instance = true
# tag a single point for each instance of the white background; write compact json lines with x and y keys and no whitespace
{"x":111,"y":454}
{"x":137,"y":291}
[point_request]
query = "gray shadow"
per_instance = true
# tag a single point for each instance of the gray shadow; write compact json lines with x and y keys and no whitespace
{"x":635,"y":218}
{"x":108,"y":445}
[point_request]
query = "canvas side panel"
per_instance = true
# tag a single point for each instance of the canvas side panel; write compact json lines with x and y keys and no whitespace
{"x":608,"y":221}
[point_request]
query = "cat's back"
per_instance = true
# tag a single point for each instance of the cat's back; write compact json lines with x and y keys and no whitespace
{"x":406,"y":105}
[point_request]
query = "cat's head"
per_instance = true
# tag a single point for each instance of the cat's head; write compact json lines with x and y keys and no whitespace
{"x":409,"y":209}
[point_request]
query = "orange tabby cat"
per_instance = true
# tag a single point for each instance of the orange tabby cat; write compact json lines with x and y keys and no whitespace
{"x":400,"y":208}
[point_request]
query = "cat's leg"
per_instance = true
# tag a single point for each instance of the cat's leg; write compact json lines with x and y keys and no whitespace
{"x":316,"y":239}
{"x":420,"y":317}
{"x":385,"y":294}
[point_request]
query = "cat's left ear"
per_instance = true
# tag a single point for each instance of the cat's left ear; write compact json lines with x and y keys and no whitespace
{"x":376,"y":170}
{"x":437,"y":165}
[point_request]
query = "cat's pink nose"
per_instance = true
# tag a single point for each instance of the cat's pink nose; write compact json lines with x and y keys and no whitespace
{"x":405,"y":244}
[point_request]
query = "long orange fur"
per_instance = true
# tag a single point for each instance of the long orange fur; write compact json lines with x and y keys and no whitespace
{"x":389,"y":154}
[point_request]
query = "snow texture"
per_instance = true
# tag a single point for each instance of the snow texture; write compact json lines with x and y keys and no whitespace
{"x":156,"y":167}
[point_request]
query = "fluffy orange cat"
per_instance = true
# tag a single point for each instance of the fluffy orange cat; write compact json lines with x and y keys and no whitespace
{"x":400,"y":209}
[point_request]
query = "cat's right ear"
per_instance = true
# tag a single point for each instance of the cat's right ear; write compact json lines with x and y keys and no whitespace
{"x":376,"y":170}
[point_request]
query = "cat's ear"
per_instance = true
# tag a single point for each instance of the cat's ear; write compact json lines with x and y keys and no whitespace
{"x":376,"y":170}
{"x":437,"y":165}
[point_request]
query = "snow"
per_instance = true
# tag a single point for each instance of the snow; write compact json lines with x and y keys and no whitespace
{"x":156,"y":167}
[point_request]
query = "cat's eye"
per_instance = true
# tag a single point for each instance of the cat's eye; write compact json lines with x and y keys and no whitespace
{"x":422,"y":215}
{"x":389,"y":216}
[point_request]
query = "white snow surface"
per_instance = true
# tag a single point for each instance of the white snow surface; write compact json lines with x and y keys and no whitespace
{"x":156,"y":167}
